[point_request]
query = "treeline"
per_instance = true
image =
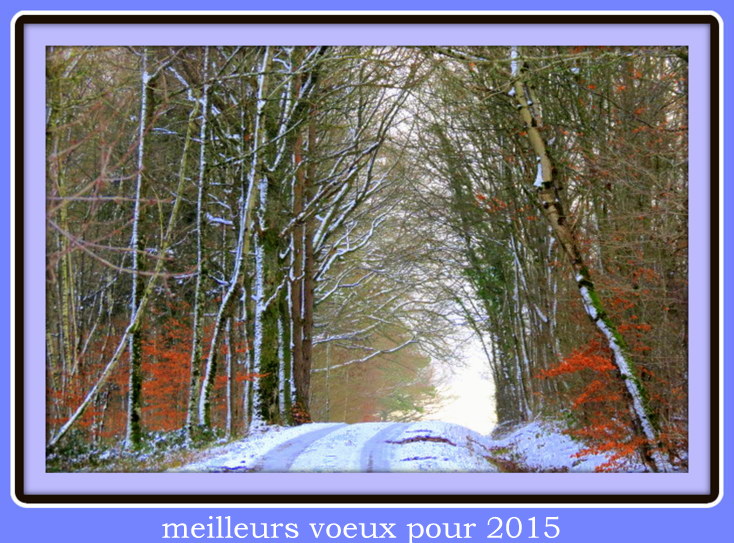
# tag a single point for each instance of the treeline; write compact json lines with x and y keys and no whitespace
{"x":202,"y":203}
{"x":250,"y":235}
{"x":564,"y":184}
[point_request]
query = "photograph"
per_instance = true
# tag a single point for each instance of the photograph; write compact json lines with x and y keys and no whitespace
{"x":366,"y":259}
{"x":391,"y":271}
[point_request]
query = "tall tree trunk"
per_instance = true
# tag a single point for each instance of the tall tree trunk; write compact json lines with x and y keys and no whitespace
{"x":230,"y":378}
{"x":133,"y":435}
{"x":196,"y":342}
{"x":309,"y":266}
{"x":303,"y":270}
{"x":303,"y":265}
{"x":300,"y":373}
{"x":524,"y":370}
{"x":247,"y":357}
{"x":265,"y":344}
{"x":548,"y":194}
{"x":285,"y":380}
{"x":260,"y":186}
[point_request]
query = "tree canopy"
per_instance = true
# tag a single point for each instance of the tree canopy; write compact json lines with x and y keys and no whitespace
{"x":239,"y":236}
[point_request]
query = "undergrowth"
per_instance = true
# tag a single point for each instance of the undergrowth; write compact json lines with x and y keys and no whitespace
{"x":159,"y":452}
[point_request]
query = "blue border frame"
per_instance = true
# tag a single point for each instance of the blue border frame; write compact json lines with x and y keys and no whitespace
{"x":713,"y":24}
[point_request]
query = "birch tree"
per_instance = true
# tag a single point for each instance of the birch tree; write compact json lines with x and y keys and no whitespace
{"x":134,"y":431}
{"x":549,"y":197}
{"x":515,"y":259}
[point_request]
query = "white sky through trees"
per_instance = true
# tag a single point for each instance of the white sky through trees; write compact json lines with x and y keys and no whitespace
{"x":466,"y":392}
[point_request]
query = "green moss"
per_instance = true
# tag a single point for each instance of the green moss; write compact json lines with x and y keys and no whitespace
{"x":633,"y":376}
{"x":136,"y":385}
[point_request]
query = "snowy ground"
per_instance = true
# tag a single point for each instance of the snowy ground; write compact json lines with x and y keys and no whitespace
{"x":366,"y":447}
{"x":428,"y":446}
{"x":246,"y":454}
{"x":433,"y":446}
{"x":542,"y":446}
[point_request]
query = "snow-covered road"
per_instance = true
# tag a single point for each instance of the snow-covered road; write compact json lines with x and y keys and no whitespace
{"x":365,"y":447}
{"x":428,"y":446}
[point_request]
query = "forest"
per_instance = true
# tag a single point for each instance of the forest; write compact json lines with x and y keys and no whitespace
{"x":240,"y":237}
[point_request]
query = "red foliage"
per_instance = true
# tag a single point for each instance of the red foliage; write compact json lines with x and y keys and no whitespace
{"x":300,"y":414}
{"x":166,"y":354}
{"x":598,"y":404}
{"x":592,"y":357}
{"x":166,"y":368}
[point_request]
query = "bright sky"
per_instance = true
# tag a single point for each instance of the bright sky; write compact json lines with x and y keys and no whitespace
{"x":467,"y":392}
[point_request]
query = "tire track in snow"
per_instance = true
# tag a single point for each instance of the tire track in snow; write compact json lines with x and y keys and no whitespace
{"x":280,"y":458}
{"x":341,"y":451}
{"x":372,"y":447}
{"x":375,"y":457}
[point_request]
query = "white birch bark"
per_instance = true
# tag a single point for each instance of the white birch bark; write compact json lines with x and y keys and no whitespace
{"x":196,"y":347}
{"x":256,"y":420}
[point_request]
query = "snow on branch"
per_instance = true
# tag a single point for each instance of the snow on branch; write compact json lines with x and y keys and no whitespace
{"x":218,"y":220}
{"x":367,"y":358}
